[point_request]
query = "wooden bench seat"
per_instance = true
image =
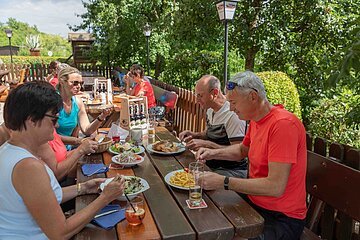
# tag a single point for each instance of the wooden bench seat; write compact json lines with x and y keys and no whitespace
{"x":334,"y":203}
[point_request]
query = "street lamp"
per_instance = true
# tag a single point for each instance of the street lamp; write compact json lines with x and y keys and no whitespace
{"x":9,"y":35}
{"x":147,"y":33}
{"x":226,"y":11}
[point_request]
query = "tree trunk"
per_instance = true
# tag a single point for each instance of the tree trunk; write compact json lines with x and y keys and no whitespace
{"x":250,"y":58}
{"x":252,"y":24}
{"x":158,"y":65}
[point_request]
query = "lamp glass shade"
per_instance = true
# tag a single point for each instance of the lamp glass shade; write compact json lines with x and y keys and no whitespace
{"x":147,"y":30}
{"x":226,"y":10}
{"x":8,"y":33}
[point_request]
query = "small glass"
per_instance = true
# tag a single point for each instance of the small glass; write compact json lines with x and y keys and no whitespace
{"x":196,"y":169}
{"x":116,"y":139}
{"x":136,"y":135}
{"x":135,"y":211}
{"x":151,"y":128}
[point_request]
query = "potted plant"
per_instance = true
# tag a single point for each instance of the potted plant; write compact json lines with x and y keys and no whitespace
{"x":33,"y":42}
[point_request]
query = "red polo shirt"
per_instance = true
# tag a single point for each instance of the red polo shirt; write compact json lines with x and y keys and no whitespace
{"x":148,"y":92}
{"x":279,"y":137}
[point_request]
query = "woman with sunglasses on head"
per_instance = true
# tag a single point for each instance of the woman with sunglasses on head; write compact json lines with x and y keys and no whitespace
{"x":30,"y":194}
{"x":142,"y":87}
{"x":73,"y":113}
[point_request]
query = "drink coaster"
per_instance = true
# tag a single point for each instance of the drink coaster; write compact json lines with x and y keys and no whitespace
{"x":201,"y":205}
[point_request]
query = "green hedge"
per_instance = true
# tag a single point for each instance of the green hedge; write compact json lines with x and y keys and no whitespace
{"x":337,"y":118}
{"x":280,"y":89}
{"x":30,"y":59}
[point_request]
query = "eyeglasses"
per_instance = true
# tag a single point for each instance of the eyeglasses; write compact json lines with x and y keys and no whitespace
{"x":54,"y":118}
{"x":232,"y":85}
{"x":75,"y":83}
{"x":198,"y":95}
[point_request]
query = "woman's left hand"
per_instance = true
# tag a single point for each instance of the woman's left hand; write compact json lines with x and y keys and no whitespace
{"x":92,"y":186}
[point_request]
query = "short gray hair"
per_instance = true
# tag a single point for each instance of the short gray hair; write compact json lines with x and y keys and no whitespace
{"x":249,"y":80}
{"x":213,"y":81}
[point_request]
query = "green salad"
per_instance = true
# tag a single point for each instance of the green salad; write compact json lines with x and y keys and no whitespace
{"x":132,"y":185}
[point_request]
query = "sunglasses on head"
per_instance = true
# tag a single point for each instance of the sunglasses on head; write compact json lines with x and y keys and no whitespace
{"x":54,"y":118}
{"x":232,"y":85}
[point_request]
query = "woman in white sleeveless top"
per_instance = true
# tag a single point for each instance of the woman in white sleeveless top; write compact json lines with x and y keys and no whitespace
{"x":29,"y":192}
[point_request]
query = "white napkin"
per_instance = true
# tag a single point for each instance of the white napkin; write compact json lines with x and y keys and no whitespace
{"x":115,"y":130}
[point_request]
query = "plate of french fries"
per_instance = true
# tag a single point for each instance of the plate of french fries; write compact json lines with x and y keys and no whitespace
{"x":180,"y":179}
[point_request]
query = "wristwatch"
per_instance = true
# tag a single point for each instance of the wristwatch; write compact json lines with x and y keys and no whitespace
{"x":99,"y":119}
{"x":226,"y":183}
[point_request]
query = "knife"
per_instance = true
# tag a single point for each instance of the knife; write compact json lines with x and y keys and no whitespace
{"x":106,"y":213}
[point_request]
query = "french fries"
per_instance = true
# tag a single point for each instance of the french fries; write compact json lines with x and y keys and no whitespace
{"x":182,"y":179}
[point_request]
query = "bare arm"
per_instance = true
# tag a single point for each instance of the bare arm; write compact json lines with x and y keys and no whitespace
{"x":41,"y":200}
{"x":68,"y":140}
{"x":273,"y":185}
{"x":62,"y":168}
{"x":86,"y":127}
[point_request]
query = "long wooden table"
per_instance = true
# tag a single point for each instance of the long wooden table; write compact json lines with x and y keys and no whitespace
{"x":227,"y":216}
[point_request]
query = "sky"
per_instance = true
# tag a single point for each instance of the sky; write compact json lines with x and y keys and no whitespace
{"x":50,"y":16}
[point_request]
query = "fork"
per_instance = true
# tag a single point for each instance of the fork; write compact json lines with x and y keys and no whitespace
{"x":98,"y":170}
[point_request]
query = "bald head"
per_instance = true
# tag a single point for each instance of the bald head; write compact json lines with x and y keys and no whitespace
{"x":208,"y":82}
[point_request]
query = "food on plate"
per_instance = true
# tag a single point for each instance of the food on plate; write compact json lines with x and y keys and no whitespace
{"x":132,"y":185}
{"x":182,"y":179}
{"x":119,"y":148}
{"x":89,"y":102}
{"x":127,"y":157}
{"x":165,"y":146}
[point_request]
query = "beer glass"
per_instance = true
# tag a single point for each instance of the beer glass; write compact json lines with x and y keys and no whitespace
{"x":196,"y":169}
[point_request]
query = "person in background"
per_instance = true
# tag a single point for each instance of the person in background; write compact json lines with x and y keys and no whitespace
{"x":142,"y":87}
{"x":276,"y":147}
{"x":73,"y":112}
{"x":222,"y":126}
{"x":29,"y":189}
{"x":52,"y":69}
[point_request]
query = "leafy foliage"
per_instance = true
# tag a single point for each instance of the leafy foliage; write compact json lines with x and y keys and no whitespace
{"x":334,"y":120}
{"x":280,"y":89}
{"x":31,"y":59}
{"x":58,"y":45}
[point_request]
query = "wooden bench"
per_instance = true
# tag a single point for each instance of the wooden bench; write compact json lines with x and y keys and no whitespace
{"x":334,"y":199}
{"x":167,"y":99}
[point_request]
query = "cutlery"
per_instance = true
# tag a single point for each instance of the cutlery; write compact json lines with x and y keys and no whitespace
{"x":106,"y":213}
{"x":98,"y":170}
{"x":100,"y":139}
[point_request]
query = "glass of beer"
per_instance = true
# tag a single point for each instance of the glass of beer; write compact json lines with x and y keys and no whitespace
{"x":196,"y":169}
{"x":151,"y":128}
{"x":135,"y":211}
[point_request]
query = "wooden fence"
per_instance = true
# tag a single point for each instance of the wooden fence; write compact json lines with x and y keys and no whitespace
{"x":40,"y":71}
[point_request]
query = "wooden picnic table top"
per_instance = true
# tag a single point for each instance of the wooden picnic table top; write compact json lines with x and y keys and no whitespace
{"x":167,"y":216}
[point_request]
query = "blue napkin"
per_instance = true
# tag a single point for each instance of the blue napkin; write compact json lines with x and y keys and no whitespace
{"x":88,"y":169}
{"x":110,"y":220}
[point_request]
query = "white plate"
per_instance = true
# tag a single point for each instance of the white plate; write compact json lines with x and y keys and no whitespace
{"x":116,"y":157}
{"x":131,"y":196}
{"x":142,"y":150}
{"x":170,"y":174}
{"x":150,"y":148}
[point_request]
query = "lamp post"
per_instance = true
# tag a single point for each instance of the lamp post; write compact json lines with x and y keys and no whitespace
{"x":147,"y":33}
{"x":9,"y":35}
{"x":226,"y":11}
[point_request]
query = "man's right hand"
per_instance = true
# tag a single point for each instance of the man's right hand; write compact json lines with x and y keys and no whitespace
{"x":114,"y":189}
{"x":186,"y":135}
{"x":204,"y":154}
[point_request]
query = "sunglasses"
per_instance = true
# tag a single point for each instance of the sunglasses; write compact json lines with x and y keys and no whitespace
{"x":75,"y":83}
{"x":232,"y":85}
{"x":54,"y":119}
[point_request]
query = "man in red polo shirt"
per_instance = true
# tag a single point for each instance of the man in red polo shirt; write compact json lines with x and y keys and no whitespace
{"x":276,"y":147}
